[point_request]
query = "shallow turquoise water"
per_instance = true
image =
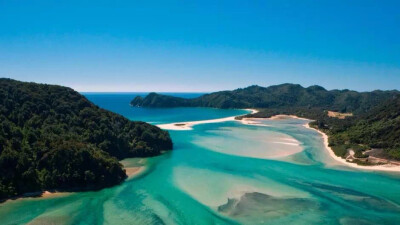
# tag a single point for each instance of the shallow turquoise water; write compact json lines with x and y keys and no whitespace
{"x":226,"y":173}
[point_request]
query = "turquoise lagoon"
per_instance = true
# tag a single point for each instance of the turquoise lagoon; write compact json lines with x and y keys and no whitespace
{"x":224,"y":173}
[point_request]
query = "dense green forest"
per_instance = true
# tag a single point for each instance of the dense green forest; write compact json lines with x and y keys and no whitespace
{"x":378,"y":128}
{"x":375,"y":124}
{"x":51,"y":137}
{"x":278,"y":96}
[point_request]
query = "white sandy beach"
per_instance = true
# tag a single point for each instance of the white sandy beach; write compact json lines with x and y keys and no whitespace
{"x":386,"y":167}
{"x":254,"y":121}
{"x":48,"y":194}
{"x":134,"y":171}
{"x":189,"y":125}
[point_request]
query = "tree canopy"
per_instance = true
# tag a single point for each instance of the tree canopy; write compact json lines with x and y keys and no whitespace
{"x":52,"y":137}
{"x":278,"y":96}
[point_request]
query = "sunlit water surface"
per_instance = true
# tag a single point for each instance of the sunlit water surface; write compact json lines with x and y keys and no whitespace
{"x":224,"y":173}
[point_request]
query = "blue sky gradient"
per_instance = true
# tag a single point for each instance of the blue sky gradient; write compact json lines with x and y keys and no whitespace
{"x":201,"y":46}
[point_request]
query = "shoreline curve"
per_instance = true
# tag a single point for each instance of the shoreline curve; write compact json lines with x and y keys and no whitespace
{"x":250,"y":121}
{"x":325,"y":137}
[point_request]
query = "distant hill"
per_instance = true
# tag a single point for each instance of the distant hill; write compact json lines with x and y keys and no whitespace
{"x":278,"y":96}
{"x":52,"y":137}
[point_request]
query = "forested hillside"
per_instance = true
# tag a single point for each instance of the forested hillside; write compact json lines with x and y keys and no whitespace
{"x":52,"y":137}
{"x":279,"y":96}
{"x":379,"y":128}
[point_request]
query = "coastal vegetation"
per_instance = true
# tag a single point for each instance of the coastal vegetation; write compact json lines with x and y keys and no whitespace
{"x":278,"y":96}
{"x":357,"y":121}
{"x":52,"y":137}
{"x":377,"y":129}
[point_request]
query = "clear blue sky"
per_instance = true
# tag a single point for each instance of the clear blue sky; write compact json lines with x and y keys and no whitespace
{"x":201,"y":45}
